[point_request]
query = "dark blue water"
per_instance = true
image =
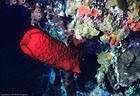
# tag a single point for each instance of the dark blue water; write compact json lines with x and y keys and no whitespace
{"x":18,"y":72}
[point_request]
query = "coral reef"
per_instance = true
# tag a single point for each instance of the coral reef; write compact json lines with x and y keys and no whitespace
{"x":108,"y":29}
{"x":84,"y":29}
{"x":128,"y":66}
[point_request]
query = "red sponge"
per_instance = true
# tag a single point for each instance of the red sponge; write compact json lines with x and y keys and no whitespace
{"x":41,"y":46}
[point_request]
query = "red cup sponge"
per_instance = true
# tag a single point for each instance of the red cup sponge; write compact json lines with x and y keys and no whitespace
{"x":41,"y":46}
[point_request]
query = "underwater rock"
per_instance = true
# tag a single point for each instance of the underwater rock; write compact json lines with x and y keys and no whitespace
{"x":99,"y":92}
{"x":122,"y":4}
{"x":129,"y":66}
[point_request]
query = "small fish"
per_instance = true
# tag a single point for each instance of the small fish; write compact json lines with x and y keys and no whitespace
{"x":52,"y":76}
{"x":122,"y":4}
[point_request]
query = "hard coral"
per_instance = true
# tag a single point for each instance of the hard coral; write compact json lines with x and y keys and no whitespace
{"x":20,"y":2}
{"x":36,"y":15}
{"x":84,"y":28}
{"x":111,"y":3}
{"x":105,"y":58}
{"x":105,"y":38}
{"x":113,"y":42}
{"x":72,"y":5}
{"x":120,"y":34}
{"x":134,"y":26}
{"x":84,"y":10}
